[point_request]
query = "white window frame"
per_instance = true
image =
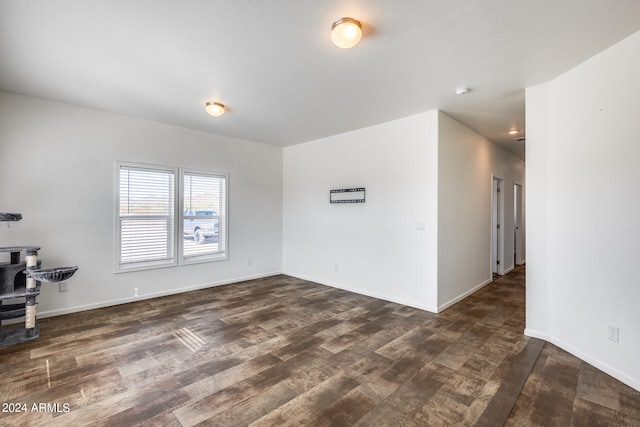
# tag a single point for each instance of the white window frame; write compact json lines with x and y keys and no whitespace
{"x":172,"y":261}
{"x":177,"y":257}
{"x":223,"y":219}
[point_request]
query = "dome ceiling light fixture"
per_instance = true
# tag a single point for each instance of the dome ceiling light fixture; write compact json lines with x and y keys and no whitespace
{"x":346,"y":33}
{"x":513,"y":131}
{"x":463,"y":90}
{"x":214,"y":109}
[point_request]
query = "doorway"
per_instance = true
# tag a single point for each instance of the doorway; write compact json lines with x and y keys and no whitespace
{"x":517,"y":224}
{"x":496,"y":231}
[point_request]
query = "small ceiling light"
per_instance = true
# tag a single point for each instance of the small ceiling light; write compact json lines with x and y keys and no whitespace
{"x":514,"y":132}
{"x":215,"y":109}
{"x":462,"y":90}
{"x":346,"y":33}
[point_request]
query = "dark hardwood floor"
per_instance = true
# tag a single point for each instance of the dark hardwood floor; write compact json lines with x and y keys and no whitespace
{"x":281,"y":351}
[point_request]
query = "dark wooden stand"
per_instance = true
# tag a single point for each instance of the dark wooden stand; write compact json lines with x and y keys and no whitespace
{"x":13,"y":285}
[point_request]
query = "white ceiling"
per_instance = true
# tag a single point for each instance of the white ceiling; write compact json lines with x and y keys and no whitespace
{"x":272,"y":62}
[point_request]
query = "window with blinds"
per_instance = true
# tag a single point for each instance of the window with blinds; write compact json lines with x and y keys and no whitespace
{"x":203,"y":216}
{"x":165,"y":211}
{"x":146,"y":216}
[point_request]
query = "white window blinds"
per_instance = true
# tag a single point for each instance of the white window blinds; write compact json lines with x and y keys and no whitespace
{"x":168,"y":215}
{"x":146,"y":216}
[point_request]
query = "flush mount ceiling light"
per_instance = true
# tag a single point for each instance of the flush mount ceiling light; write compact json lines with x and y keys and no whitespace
{"x":346,"y":33}
{"x":462,"y":90}
{"x":215,"y":109}
{"x":514,"y":132}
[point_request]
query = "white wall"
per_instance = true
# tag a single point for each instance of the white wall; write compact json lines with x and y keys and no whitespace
{"x":376,"y":246}
{"x":583,"y":195}
{"x":57,"y":166}
{"x":537,"y":245}
{"x":467,"y":162}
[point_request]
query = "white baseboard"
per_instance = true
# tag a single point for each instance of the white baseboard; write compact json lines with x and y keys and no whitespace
{"x":362,"y":292}
{"x":459,"y":298}
{"x":508,"y":270}
{"x":615,"y":373}
{"x":388,"y":297}
{"x":101,"y":304}
{"x":536,"y":334}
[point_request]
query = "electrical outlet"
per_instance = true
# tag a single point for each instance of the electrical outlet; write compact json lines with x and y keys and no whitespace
{"x":63,"y":287}
{"x":613,"y":333}
{"x":249,"y":261}
{"x":336,"y":268}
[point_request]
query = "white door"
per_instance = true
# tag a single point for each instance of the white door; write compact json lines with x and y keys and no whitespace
{"x":496,"y":232}
{"x":517,"y":222}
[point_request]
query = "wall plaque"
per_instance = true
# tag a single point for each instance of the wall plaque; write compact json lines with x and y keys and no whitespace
{"x":347,"y":195}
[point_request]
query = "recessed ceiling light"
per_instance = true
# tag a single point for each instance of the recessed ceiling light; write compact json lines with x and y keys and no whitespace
{"x":463,"y":90}
{"x":215,"y":109}
{"x":346,"y":33}
{"x":514,"y":131}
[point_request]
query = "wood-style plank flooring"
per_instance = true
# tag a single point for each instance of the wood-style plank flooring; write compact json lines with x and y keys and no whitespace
{"x":282,"y":351}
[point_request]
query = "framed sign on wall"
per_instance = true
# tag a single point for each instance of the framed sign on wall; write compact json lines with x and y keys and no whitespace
{"x":347,"y":195}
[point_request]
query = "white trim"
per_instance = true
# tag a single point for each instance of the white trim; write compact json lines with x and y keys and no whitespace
{"x":200,"y":259}
{"x":621,"y":376}
{"x":520,"y":233}
{"x":459,"y":298}
{"x":536,"y":334}
{"x":360,"y":292}
{"x":119,"y":301}
{"x":508,"y":270}
{"x":224,"y":219}
{"x":144,"y":265}
{"x":177,"y":257}
{"x":149,"y":265}
{"x":500,"y":220}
